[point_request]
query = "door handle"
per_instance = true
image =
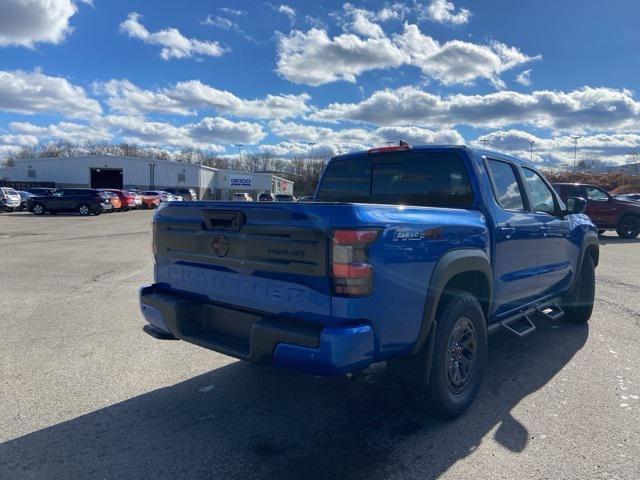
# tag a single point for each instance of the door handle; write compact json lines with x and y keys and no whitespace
{"x":508,"y":231}
{"x":545,"y":230}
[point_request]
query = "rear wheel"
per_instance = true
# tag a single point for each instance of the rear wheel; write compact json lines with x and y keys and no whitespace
{"x":629,"y":227}
{"x":578,"y":305}
{"x":38,"y":209}
{"x":459,"y":357}
{"x":84,"y":209}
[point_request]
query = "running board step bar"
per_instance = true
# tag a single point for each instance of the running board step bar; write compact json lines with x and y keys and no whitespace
{"x":551,"y":312}
{"x":519,"y":325}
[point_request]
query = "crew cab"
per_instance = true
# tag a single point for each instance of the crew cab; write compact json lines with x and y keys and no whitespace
{"x":407,"y":255}
{"x":605,"y":210}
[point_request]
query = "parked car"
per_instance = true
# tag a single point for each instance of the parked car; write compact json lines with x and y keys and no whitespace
{"x":630,"y":196}
{"x":307,"y":198}
{"x":159,"y":195}
{"x":24,"y":196}
{"x":9,"y":199}
{"x":116,"y":204}
{"x":127,"y":199}
{"x":85,"y":201}
{"x":187,"y":194}
{"x":282,"y":197}
{"x":41,"y":191}
{"x":410,"y":256}
{"x":242,"y":197}
{"x":606,"y":211}
{"x":266,"y":197}
{"x":137,"y":197}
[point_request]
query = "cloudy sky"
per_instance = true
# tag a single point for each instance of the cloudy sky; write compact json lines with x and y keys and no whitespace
{"x":290,"y":77}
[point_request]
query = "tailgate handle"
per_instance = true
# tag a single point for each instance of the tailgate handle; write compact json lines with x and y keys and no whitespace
{"x":224,"y":220}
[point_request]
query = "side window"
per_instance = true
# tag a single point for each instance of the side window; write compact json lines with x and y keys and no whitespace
{"x":506,"y":188}
{"x":59,"y":193}
{"x":596,"y":195}
{"x":541,"y":195}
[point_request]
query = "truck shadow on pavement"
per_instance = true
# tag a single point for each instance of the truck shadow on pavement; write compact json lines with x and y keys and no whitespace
{"x":242,"y":421}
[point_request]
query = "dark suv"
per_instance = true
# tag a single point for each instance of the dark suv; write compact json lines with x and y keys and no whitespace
{"x":605,"y":210}
{"x":84,"y":201}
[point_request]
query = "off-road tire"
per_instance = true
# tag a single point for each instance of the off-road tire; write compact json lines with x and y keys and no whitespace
{"x":457,"y":311}
{"x":578,"y":305}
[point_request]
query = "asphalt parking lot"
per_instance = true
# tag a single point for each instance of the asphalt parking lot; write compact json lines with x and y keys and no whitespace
{"x":86,"y":394}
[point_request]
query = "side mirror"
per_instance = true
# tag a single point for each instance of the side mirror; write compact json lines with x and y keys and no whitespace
{"x":576,"y":205}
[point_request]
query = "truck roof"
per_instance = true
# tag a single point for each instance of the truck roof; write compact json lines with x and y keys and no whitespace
{"x":430,"y":148}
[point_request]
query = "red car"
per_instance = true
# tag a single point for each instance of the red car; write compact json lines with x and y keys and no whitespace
{"x":605,"y":210}
{"x":127,"y":199}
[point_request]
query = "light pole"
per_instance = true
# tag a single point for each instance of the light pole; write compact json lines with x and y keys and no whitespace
{"x":311,"y":144}
{"x":531,"y":144}
{"x":575,"y":151}
{"x":239,"y":145}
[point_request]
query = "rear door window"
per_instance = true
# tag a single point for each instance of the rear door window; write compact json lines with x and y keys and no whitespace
{"x":505,"y":185}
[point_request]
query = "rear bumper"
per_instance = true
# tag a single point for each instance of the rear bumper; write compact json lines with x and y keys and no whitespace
{"x":289,"y":344}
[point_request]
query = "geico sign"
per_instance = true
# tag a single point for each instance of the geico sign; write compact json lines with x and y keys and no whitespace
{"x":240,"y":182}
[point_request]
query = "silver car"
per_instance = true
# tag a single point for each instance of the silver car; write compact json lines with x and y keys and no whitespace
{"x":9,"y":199}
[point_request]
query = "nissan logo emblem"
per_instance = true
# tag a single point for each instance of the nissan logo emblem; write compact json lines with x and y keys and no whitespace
{"x":220,"y":246}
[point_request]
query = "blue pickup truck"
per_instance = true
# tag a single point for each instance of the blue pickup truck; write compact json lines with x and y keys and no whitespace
{"x":406,"y":255}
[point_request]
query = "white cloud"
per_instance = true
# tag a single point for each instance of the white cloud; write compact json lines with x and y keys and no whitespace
{"x":220,"y":22}
{"x":524,"y":78}
{"x":611,"y":148}
{"x":208,"y":133}
{"x":27,"y":22}
{"x":299,"y":136}
{"x":588,"y":108}
{"x":35,"y":92}
{"x":19,"y":140}
{"x":232,"y":11}
{"x":443,"y":11}
{"x":287,"y":10}
{"x":173,"y":43}
{"x":189,"y":97}
{"x":314,"y":58}
{"x":68,"y":131}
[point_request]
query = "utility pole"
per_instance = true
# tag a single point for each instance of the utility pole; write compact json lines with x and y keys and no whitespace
{"x":239,"y":145}
{"x":531,"y":144}
{"x":484,"y":143}
{"x":575,"y":151}
{"x":311,"y":144}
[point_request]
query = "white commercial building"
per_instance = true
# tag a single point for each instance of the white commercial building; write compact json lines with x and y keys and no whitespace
{"x":111,"y":171}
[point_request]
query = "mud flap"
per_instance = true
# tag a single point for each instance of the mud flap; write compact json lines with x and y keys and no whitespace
{"x":415,"y":371}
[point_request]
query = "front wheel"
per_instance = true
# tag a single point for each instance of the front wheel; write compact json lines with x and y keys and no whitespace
{"x":629,"y":227}
{"x":84,"y":210}
{"x":578,"y":305}
{"x":38,"y":209}
{"x":459,"y":357}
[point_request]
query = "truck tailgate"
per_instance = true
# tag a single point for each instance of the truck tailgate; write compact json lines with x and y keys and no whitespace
{"x":263,"y":257}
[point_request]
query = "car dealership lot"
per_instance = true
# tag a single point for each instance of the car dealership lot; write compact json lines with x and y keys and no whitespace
{"x":86,"y":394}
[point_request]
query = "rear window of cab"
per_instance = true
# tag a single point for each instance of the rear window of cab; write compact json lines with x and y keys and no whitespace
{"x":429,"y":179}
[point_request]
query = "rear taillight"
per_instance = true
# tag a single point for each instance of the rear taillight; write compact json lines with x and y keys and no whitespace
{"x":351,"y":272}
